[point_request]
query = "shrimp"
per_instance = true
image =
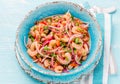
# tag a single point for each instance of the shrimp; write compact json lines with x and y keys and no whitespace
{"x":67,"y":16}
{"x":33,"y":47}
{"x":65,"y":39}
{"x":78,"y":30}
{"x":74,"y":30}
{"x":59,"y":43}
{"x":54,"y":24}
{"x":32,"y":53}
{"x":48,"y":37}
{"x":77,"y":59}
{"x":39,"y":59}
{"x":70,"y":66}
{"x":84,"y":58}
{"x":29,"y":43}
{"x":85,"y":26}
{"x":67,"y":59}
{"x":77,"y":46}
{"x":37,"y":35}
{"x":86,"y":48}
{"x":32,"y":31}
{"x":43,"y":35}
{"x":56,"y":37}
{"x":86,"y":38}
{"x":46,"y":63}
{"x":58,"y":69}
{"x":52,"y":44}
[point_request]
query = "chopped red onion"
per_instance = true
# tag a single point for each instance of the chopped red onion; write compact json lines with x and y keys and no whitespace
{"x":45,"y":58}
{"x":73,"y":36}
{"x":77,"y":59}
{"x":54,"y":50}
{"x":46,"y":42}
{"x":52,"y":61}
{"x":65,"y":70}
{"x":66,"y":28}
{"x":53,"y":27}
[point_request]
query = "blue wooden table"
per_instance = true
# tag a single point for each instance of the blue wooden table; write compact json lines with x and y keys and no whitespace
{"x":12,"y":13}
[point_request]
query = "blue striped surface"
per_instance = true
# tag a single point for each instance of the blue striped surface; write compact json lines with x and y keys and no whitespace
{"x":98,"y":72}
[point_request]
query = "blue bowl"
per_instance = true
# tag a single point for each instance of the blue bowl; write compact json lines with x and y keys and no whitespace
{"x":54,"y":8}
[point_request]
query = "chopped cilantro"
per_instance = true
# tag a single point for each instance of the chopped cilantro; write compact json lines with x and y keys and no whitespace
{"x":81,"y":61}
{"x":76,"y":40}
{"x":77,"y":24}
{"x":31,"y":37}
{"x":53,"y":55}
{"x":75,"y":50}
{"x":65,"y":65}
{"x":46,"y":31}
{"x":38,"y":55}
{"x":66,"y":59}
{"x":79,"y":29}
{"x":56,"y":20}
{"x":40,"y":42}
{"x":63,"y":44}
{"x":34,"y":28}
{"x":59,"y":16}
{"x":69,"y":50}
{"x":46,"y":48}
{"x":65,"y":31}
{"x":49,"y":20}
{"x":80,"y":43}
{"x":45,"y":27}
{"x":72,"y":17}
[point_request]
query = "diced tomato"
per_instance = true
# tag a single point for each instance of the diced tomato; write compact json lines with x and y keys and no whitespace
{"x":37,"y":37}
{"x":58,"y":43}
{"x":73,"y":64}
{"x":44,"y":22}
{"x":40,"y":30}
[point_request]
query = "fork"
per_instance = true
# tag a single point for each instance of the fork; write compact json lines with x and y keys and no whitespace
{"x":112,"y":64}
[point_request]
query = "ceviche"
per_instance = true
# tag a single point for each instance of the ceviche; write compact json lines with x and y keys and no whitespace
{"x":59,"y":43}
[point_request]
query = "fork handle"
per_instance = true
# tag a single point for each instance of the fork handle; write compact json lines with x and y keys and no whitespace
{"x":112,"y":65}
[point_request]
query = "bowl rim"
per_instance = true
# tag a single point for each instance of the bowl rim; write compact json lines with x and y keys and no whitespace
{"x":29,"y":72}
{"x":75,"y":70}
